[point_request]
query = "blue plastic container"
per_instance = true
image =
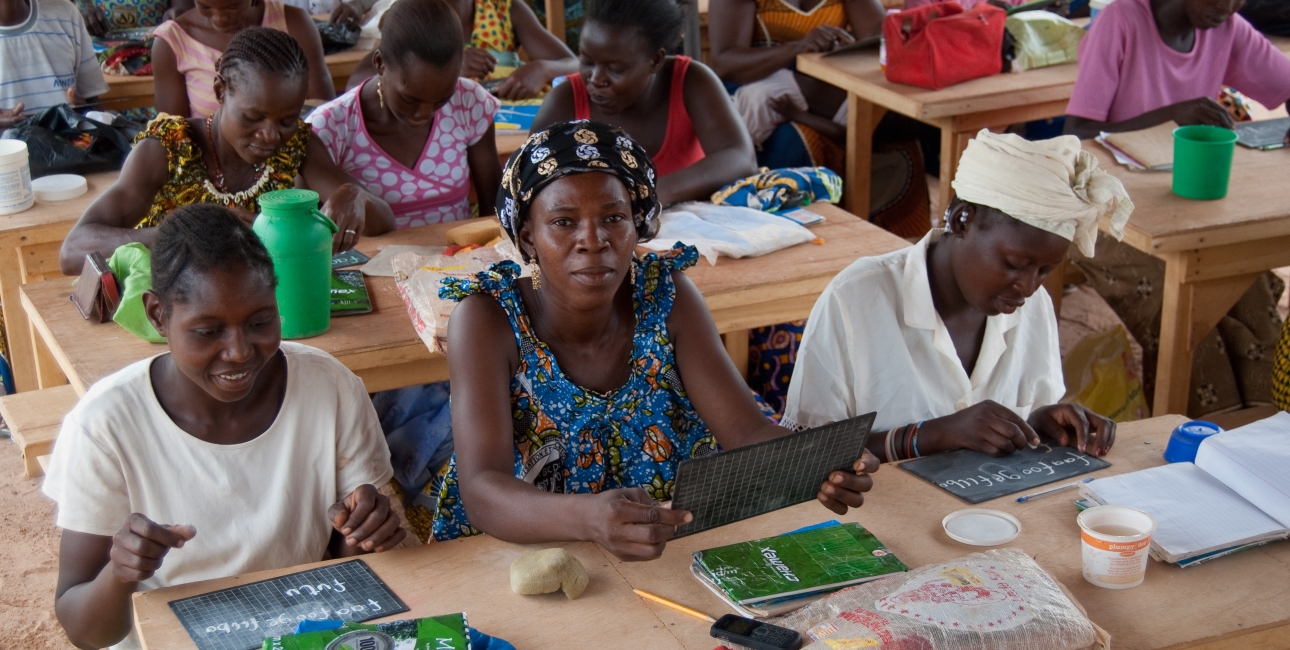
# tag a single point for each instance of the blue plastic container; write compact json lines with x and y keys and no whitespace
{"x":1186,"y":439}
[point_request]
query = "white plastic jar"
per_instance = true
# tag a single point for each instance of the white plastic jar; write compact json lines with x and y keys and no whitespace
{"x":16,"y":194}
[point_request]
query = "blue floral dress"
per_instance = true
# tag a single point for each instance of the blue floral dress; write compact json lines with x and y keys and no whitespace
{"x":572,"y":440}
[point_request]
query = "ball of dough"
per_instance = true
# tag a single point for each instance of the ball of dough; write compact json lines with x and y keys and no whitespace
{"x":544,"y":571}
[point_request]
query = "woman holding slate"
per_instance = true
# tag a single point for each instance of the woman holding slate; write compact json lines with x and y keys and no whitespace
{"x":611,"y":371}
{"x":233,"y":452}
{"x":952,"y":341}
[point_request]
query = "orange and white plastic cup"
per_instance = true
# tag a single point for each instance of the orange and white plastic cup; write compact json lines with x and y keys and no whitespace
{"x":1115,"y":543}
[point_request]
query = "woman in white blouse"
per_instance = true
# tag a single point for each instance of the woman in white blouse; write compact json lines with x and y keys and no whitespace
{"x":951,"y":341}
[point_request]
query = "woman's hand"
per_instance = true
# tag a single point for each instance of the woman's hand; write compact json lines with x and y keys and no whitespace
{"x":346,"y":13}
{"x":1202,"y":110}
{"x":367,"y":521}
{"x":95,"y":20}
{"x":1071,"y":425}
{"x":844,"y":490}
{"x":347,"y":206}
{"x":140,"y":546}
{"x":477,"y":63}
{"x":825,"y":38}
{"x":526,"y":82}
{"x":987,"y":427}
{"x":629,"y":524}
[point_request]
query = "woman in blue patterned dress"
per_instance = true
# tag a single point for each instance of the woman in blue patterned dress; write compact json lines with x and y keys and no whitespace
{"x":570,"y":402}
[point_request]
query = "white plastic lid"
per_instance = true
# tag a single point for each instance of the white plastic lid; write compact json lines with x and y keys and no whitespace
{"x":59,"y":187}
{"x":981,"y":527}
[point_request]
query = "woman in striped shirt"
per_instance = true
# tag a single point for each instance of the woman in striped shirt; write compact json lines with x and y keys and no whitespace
{"x":187,"y":48}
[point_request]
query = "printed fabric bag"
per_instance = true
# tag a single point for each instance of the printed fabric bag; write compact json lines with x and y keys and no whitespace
{"x":940,"y":45}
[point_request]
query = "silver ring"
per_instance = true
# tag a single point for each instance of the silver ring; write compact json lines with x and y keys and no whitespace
{"x":350,"y":231}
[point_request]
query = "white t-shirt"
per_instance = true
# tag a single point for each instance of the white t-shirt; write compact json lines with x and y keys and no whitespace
{"x":258,"y":505}
{"x":43,"y":56}
{"x":874,"y":342}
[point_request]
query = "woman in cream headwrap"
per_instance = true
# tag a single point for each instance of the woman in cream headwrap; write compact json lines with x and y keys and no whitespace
{"x":950,"y":340}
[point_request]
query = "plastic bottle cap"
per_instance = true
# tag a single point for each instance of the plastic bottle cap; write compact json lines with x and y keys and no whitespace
{"x":288,"y":199}
{"x":59,"y":187}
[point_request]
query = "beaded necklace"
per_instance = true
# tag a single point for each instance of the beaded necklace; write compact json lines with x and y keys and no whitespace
{"x":217,"y":188}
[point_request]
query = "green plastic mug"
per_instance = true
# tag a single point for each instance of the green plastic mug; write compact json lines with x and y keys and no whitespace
{"x":298,"y":238}
{"x":1203,"y":161}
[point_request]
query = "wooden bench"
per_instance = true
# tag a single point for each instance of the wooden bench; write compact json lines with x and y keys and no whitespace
{"x":34,"y":418}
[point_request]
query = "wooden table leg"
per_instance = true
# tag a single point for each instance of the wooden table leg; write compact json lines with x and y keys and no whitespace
{"x":860,"y":122}
{"x":555,"y":18}
{"x":48,"y":373}
{"x":952,"y":145}
{"x":737,"y":347}
{"x":1191,"y":310}
{"x":22,"y":359}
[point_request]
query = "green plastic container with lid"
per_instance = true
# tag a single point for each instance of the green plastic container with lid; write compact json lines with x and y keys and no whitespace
{"x":298,"y":238}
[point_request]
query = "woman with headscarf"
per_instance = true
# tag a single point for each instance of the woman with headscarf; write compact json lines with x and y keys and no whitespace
{"x":951,"y":341}
{"x":576,"y":394}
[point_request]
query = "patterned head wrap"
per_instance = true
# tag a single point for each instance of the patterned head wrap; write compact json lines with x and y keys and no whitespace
{"x":1053,"y":185}
{"x":575,"y":148}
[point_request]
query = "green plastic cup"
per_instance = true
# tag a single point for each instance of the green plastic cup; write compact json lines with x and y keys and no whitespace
{"x":1203,"y":161}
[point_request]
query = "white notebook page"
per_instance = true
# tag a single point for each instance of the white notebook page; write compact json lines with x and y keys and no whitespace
{"x":1194,"y":512}
{"x":1254,"y":460}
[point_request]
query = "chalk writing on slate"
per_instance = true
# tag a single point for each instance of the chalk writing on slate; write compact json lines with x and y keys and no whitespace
{"x":734,"y":485}
{"x":976,"y":477}
{"x":242,"y":617}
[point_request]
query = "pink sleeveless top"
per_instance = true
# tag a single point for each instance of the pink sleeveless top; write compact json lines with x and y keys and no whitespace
{"x":196,"y":60}
{"x":681,"y":147}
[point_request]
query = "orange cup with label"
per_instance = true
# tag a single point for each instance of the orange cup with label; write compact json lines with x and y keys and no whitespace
{"x":1115,"y":543}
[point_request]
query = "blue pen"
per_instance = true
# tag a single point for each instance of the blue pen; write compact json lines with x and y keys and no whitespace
{"x":1052,"y":490}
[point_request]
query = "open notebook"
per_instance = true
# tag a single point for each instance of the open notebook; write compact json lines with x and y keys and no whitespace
{"x":1236,"y":494}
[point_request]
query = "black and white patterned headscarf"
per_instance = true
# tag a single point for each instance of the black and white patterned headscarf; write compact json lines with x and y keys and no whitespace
{"x":575,"y":148}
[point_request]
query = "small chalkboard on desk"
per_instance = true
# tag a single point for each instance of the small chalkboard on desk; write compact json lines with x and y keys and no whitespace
{"x":976,"y":477}
{"x":241,"y":618}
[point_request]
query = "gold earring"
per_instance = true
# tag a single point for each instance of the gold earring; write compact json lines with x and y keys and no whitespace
{"x":537,"y":276}
{"x":380,"y":95}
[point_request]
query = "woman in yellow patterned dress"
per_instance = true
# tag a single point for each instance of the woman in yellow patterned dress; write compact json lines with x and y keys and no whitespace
{"x":254,"y":143}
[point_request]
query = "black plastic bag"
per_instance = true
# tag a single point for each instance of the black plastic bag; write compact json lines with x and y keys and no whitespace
{"x":338,"y":37}
{"x":62,"y":141}
{"x":1271,"y":17}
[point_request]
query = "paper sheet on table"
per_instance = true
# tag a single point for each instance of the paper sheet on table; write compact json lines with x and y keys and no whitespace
{"x":1254,"y":460}
{"x":1195,"y":513}
{"x":1151,"y":148}
{"x":726,"y":230}
{"x":379,"y":266}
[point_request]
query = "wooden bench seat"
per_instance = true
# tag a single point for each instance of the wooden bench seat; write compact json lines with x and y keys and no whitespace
{"x":34,"y":418}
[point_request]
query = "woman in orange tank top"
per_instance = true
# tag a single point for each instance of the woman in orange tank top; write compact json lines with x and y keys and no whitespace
{"x":674,"y":107}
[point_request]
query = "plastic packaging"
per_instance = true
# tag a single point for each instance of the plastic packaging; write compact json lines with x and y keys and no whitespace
{"x":16,"y":194}
{"x":998,"y":600}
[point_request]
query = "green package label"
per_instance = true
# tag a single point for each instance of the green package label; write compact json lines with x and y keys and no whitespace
{"x":800,"y":563}
{"x":437,"y":633}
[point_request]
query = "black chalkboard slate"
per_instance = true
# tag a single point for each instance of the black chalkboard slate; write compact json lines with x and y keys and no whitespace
{"x":976,"y":477}
{"x":734,"y":485}
{"x":242,"y":617}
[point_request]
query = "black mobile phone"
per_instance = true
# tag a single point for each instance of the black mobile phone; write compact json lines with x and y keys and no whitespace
{"x":755,"y":634}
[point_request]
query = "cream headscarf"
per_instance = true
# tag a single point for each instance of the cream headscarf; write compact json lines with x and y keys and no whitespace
{"x":1053,"y":185}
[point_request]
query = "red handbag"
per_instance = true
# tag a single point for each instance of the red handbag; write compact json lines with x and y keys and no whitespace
{"x":939,"y":45}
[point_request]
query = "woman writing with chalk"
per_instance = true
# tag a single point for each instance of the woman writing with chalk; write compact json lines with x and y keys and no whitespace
{"x":612,"y":371}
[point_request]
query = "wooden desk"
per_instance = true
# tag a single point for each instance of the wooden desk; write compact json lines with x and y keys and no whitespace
{"x":1239,"y":601}
{"x":1213,"y":251}
{"x":136,"y":92}
{"x":385,"y":351}
{"x":959,"y":111}
{"x":29,"y":243}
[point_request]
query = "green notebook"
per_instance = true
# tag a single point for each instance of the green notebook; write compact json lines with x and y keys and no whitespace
{"x":349,"y":293}
{"x":806,"y":562}
{"x":438,"y":633}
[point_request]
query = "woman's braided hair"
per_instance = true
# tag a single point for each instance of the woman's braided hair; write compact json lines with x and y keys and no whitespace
{"x":658,"y":21}
{"x":429,"y":30}
{"x":199,"y":238}
{"x":263,"y":50}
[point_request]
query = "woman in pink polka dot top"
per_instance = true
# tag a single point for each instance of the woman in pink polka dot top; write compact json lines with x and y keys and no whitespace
{"x":416,"y":134}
